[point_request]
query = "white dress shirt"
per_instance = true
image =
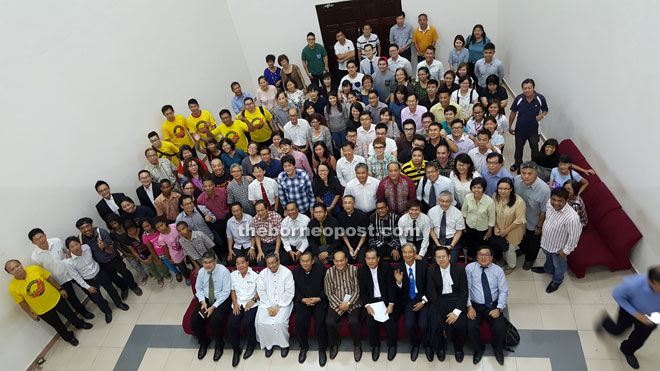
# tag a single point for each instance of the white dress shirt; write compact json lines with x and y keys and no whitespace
{"x":112,"y":205}
{"x":441,"y":184}
{"x":454,"y":219}
{"x":244,"y":287}
{"x":479,"y":159}
{"x":447,"y":282}
{"x":365,"y":194}
{"x":374,"y":277}
{"x":294,"y":232}
{"x":423,"y":226}
{"x":83,"y":267}
{"x":346,"y":170}
{"x":436,"y":69}
{"x":297,"y":133}
{"x":390,"y":146}
{"x":366,"y":136}
{"x":408,"y":267}
{"x":150,"y":192}
{"x":400,"y":62}
{"x":254,"y":190}
{"x":52,"y":260}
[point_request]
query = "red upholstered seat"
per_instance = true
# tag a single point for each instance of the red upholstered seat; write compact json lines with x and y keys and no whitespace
{"x":591,"y":251}
{"x":621,"y":235}
{"x":599,"y":201}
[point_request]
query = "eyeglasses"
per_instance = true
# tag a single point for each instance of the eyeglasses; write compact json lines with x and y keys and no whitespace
{"x":379,"y":147}
{"x":483,"y":255}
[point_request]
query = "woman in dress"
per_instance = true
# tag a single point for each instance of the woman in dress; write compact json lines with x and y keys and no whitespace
{"x":327,"y":189}
{"x":462,"y":175}
{"x":509,"y":220}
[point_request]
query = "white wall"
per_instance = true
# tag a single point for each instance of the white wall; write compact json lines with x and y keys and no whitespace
{"x":81,"y":85}
{"x":594,"y":62}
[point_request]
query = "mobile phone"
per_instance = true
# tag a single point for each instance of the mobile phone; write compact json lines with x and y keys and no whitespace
{"x":202,"y":313}
{"x":654,"y":317}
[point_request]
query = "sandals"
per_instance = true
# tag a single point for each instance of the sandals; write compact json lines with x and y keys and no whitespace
{"x":514,"y":168}
{"x":161,"y":283}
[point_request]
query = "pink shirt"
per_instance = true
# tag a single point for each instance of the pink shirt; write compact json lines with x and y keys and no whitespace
{"x":302,"y":163}
{"x":171,"y":240}
{"x":417,"y":116}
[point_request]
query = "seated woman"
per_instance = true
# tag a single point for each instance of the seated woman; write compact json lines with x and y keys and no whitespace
{"x":186,"y":152}
{"x":322,"y":155}
{"x":149,"y":239}
{"x":276,"y":151}
{"x":563,"y":173}
{"x":422,"y":83}
{"x":449,"y":81}
{"x":574,"y":199}
{"x":265,"y":95}
{"x":192,"y":172}
{"x":509,"y":220}
{"x":295,"y":96}
{"x":479,"y":213}
{"x":252,"y":158}
{"x":189,"y":189}
{"x":211,"y":151}
{"x":464,"y":70}
{"x":318,"y":132}
{"x":327,"y":189}
{"x":548,"y":158}
{"x":230,"y":155}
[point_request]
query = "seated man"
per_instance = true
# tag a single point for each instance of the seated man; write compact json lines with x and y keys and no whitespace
{"x":415,"y":228}
{"x":147,"y":192}
{"x":377,"y":285}
{"x":240,"y":235}
{"x":293,"y":235}
{"x":40,"y":296}
{"x":343,"y":292}
{"x":363,"y":188}
{"x":323,"y":244}
{"x":110,"y":201}
{"x":382,"y":225}
{"x":448,"y":293}
{"x":355,"y":224}
{"x":310,"y":300}
{"x":266,"y":225}
{"x":410,"y":276}
{"x":487,"y":294}
{"x":447,"y":225}
{"x":276,"y":289}
{"x":244,"y":303}
{"x":212,"y":290}
{"x":89,"y":276}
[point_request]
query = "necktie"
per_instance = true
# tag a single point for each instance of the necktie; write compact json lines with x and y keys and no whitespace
{"x":371,"y":64}
{"x":433,"y":199}
{"x":322,"y":238}
{"x":264,"y":195}
{"x":415,"y":230}
{"x":443,"y":229}
{"x":211,"y":289}
{"x":488,"y":297}
{"x":411,"y":278}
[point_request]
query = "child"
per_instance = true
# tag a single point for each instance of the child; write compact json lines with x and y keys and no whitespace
{"x":563,"y":173}
{"x":118,"y":234}
{"x":168,"y":249}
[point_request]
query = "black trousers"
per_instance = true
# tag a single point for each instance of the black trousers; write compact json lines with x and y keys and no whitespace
{"x":407,"y":53}
{"x":303,"y":323}
{"x":531,"y":244}
{"x":391,"y":328}
{"x":198,"y":324}
{"x":317,"y":79}
{"x":53,"y":319}
{"x":119,"y":274}
{"x":637,"y":337}
{"x":440,"y":330}
{"x":72,"y":298}
{"x":497,"y":328}
{"x":246,"y":319}
{"x":244,"y":252}
{"x":333,"y":324}
{"x":102,"y":280}
{"x":520,"y":145}
{"x":412,"y":320}
{"x":474,"y":239}
{"x":267,"y":248}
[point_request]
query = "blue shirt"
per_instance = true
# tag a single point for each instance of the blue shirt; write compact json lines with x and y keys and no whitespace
{"x":98,"y":253}
{"x":221,"y":284}
{"x":457,"y":58}
{"x":491,"y":180}
{"x":227,"y":160}
{"x":536,"y":198}
{"x":272,"y":77}
{"x":635,"y":295}
{"x":396,"y":111}
{"x":559,"y":179}
{"x":237,"y":103}
{"x":482,"y":70}
{"x":274,"y":169}
{"x":527,"y":111}
{"x":476,"y":48}
{"x":401,"y":35}
{"x":496,"y":280}
{"x":297,"y":189}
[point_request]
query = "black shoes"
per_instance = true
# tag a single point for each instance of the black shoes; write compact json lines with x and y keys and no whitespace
{"x":441,"y":354}
{"x":632,"y":361}
{"x":391,"y":353}
{"x":323,"y":359}
{"x":459,"y":356}
{"x":538,"y":269}
{"x":357,"y":353}
{"x":302,"y":356}
{"x":137,"y":291}
{"x":414,"y":352}
{"x":477,"y":356}
{"x":108,"y":317}
{"x":87,"y":315}
{"x":123,"y":306}
{"x":527,"y":265}
{"x":236,"y":358}
{"x":552,"y":287}
{"x":124,"y":294}
{"x":429,"y":353}
{"x":218,"y":352}
{"x":375,"y":353}
{"x":85,"y":325}
{"x":73,"y":341}
{"x":499,"y":357}
{"x":202,"y":351}
{"x":284,"y":352}
{"x":333,"y":351}
{"x":248,"y":351}
{"x":268,"y":352}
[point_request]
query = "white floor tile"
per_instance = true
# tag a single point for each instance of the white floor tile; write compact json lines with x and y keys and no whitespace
{"x":173,"y":313}
{"x":533,"y":364}
{"x":117,"y":335}
{"x":604,"y":365}
{"x":205,"y":364}
{"x":466,"y":365}
{"x":312,"y":361}
{"x":106,"y":358}
{"x":598,"y":347}
{"x":526,"y":316}
{"x":128,"y":317}
{"x":558,"y":297}
{"x":257,"y":361}
{"x":587,"y":316}
{"x":151,"y":314}
{"x":557,"y":317}
{"x":522,"y":292}
{"x":154,"y":359}
{"x":179,"y":359}
{"x":584,"y":292}
{"x":490,"y":364}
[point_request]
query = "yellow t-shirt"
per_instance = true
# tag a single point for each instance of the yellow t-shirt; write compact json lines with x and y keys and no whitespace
{"x":439,"y":112}
{"x":201,"y":125}
{"x":168,"y":148}
{"x":35,"y":290}
{"x":262,"y":130}
{"x":176,"y":131}
{"x":235,"y":132}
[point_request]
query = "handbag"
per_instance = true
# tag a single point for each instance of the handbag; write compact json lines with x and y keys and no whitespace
{"x":512,"y":337}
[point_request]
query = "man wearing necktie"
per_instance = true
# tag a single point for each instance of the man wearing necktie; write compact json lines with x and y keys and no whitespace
{"x":368,"y":65}
{"x":448,"y":292}
{"x":415,"y":228}
{"x":410,"y":276}
{"x":487,"y":294}
{"x":447,"y":225}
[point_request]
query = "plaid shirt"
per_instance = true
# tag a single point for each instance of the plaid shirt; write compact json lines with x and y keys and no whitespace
{"x":267,"y":230}
{"x":378,"y":169}
{"x":578,"y":205}
{"x":297,"y":189}
{"x":197,"y":245}
{"x":445,"y":171}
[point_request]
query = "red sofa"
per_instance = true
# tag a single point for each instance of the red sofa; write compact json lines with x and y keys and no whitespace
{"x":610,"y":234}
{"x":344,"y":332}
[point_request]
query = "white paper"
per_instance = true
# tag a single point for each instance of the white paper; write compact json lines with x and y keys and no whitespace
{"x":379,"y":309}
{"x":654,"y":317}
{"x":347,"y":298}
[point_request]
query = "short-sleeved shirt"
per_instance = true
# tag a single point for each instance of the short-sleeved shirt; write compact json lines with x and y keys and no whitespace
{"x":175,"y":131}
{"x":527,"y":112}
{"x":171,"y":241}
{"x":384,"y":84}
{"x":169,"y":151}
{"x":314,"y":59}
{"x":203,"y":125}
{"x":235,"y":132}
{"x":497,"y":96}
{"x":373,"y":41}
{"x":35,"y":290}
{"x":560,"y":179}
{"x":425,"y":38}
{"x":535,"y":196}
{"x":262,"y":131}
{"x":356,"y":83}
{"x":341,"y":49}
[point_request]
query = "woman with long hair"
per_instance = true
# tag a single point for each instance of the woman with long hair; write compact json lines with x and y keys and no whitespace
{"x":399,"y":103}
{"x":193,"y":173}
{"x":318,"y":133}
{"x":230,"y":155}
{"x":321,"y":155}
{"x":575,"y":201}
{"x":402,"y":79}
{"x":509,"y":220}
{"x":290,"y":72}
{"x":336,"y":114}
{"x":186,"y":152}
{"x":422,"y":82}
{"x":327,"y":189}
{"x":354,"y":118}
{"x":462,"y":175}
{"x":475,"y":44}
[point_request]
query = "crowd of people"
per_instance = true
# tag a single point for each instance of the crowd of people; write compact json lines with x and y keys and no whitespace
{"x":399,"y":173}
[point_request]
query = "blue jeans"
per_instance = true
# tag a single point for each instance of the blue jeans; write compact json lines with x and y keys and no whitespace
{"x":170,"y":266}
{"x":556,"y":266}
{"x":339,"y":137}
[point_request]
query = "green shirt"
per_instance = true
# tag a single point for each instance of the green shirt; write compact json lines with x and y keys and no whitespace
{"x":480,"y":215}
{"x":314,"y":58}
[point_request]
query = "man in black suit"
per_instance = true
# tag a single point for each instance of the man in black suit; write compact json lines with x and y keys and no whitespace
{"x":448,"y":295}
{"x":109,"y":203}
{"x":376,"y":285}
{"x":410,"y":276}
{"x":147,"y":192}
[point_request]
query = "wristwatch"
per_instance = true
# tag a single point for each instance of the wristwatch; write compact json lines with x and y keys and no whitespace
{"x":254,"y":299}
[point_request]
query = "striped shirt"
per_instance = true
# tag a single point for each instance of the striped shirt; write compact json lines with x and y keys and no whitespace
{"x":373,"y":41}
{"x":197,"y":245}
{"x":338,"y":284}
{"x":239,"y":193}
{"x":561,"y":229}
{"x":578,"y":205}
{"x":383,"y":230}
{"x":414,"y":173}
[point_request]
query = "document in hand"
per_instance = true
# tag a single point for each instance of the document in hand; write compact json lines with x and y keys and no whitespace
{"x":379,"y":309}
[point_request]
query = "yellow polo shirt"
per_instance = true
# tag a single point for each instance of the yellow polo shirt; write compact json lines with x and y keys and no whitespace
{"x":414,"y":173}
{"x":235,"y":132}
{"x":426,"y":38}
{"x":176,"y":131}
{"x":439,"y":112}
{"x":262,"y":130}
{"x":202,"y":125}
{"x":35,"y":290}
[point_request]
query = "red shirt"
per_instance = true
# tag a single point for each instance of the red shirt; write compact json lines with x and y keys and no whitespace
{"x":216,"y":204}
{"x":397,"y":195}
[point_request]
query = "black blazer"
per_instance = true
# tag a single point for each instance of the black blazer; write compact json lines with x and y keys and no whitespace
{"x":421,"y":267}
{"x":459,"y":288}
{"x":144,"y":198}
{"x":104,"y":210}
{"x":386,"y":284}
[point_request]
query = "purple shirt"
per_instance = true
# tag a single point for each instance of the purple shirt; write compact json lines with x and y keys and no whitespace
{"x":302,"y":163}
{"x":465,"y":144}
{"x":171,"y":240}
{"x":417,"y":116}
{"x":216,"y":204}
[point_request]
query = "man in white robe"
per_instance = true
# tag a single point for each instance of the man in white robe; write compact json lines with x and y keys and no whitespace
{"x":276,"y":289}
